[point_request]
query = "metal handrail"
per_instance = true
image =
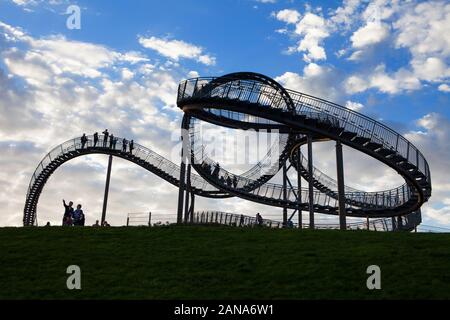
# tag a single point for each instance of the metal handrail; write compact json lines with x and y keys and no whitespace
{"x":347,"y":118}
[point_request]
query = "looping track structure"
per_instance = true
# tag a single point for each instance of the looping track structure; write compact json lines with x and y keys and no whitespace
{"x":254,"y":101}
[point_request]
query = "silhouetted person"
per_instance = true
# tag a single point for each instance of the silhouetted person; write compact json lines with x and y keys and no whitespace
{"x":259,"y":219}
{"x":96,"y":224}
{"x":68,"y":212}
{"x":95,"y":139}
{"x":105,"y":138}
{"x":48,"y":224}
{"x":84,"y":140}
{"x":106,"y":224}
{"x":241,"y":222}
{"x":229,"y":182}
{"x":124,"y":145}
{"x":111,"y":141}
{"x":235,"y":182}
{"x":216,"y":170}
{"x":114,"y":143}
{"x":77,"y":216}
{"x":131,"y":146}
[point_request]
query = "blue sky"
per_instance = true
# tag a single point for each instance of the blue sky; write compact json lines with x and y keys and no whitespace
{"x":387,"y":59}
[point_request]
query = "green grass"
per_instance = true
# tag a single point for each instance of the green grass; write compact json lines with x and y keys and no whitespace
{"x":221,"y":263}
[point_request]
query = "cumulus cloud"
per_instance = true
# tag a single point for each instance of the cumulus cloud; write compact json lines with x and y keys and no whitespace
{"x":54,"y":89}
{"x":433,"y":139}
{"x":371,"y":33}
{"x":177,"y":49}
{"x":312,"y":31}
{"x":315,"y":80}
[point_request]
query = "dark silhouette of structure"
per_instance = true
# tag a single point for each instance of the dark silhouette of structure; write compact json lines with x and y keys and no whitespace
{"x":302,"y":120}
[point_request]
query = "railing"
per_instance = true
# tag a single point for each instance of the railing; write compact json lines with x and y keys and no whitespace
{"x":386,"y":199}
{"x":349,"y":120}
{"x":140,"y":152}
{"x":240,"y":220}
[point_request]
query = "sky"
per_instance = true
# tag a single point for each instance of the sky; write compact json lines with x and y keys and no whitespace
{"x":120,"y":70}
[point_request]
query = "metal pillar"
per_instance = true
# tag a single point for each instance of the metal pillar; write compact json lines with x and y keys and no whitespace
{"x":299,"y":194}
{"x":311,"y":183}
{"x":399,"y":222}
{"x":105,"y":199}
{"x":188,"y":191}
{"x":181,"y":192}
{"x":341,"y":185}
{"x":184,"y":160}
{"x":285,"y":195}
{"x":191,"y":210}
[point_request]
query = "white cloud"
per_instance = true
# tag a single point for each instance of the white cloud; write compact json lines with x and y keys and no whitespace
{"x":433,"y":140}
{"x":316,"y":80}
{"x":444,"y":87}
{"x":177,"y":49}
{"x":311,"y":29}
{"x":288,"y":15}
{"x":387,"y":83}
{"x":55,"y":94}
{"x":371,"y":33}
{"x":355,"y":106}
{"x":344,"y":17}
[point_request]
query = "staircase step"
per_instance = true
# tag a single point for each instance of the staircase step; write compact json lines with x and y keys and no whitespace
{"x":373,"y":145}
{"x":348,"y":135}
{"x":361,"y":140}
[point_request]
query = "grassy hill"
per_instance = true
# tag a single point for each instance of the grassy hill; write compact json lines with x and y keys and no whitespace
{"x":221,"y":263}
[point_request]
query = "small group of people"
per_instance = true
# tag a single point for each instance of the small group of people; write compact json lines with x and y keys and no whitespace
{"x":109,"y":141}
{"x":104,"y":224}
{"x":73,"y":217}
{"x":230,"y":182}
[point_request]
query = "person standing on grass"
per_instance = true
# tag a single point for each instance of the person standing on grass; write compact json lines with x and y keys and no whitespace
{"x":68,"y":212}
{"x":78,"y":216}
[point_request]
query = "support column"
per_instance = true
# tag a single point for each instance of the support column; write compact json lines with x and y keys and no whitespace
{"x":184,"y":159}
{"x":299,"y":193}
{"x":341,"y":186}
{"x":105,"y":199}
{"x":311,"y":183}
{"x":285,"y":195}
{"x":181,"y":191}
{"x":191,"y":211}
{"x":188,"y":192}
{"x":399,"y":222}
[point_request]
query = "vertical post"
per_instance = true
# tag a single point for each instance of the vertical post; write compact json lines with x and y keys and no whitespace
{"x":299,"y":192}
{"x":400,"y":222}
{"x":184,"y":158}
{"x":311,"y":183}
{"x":181,"y":191}
{"x":393,"y":224}
{"x":128,"y":221}
{"x":284,"y":195}
{"x":188,"y":191}
{"x":368,"y":225}
{"x":105,"y":199}
{"x":341,"y":189}
{"x":191,"y":211}
{"x":150,"y":219}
